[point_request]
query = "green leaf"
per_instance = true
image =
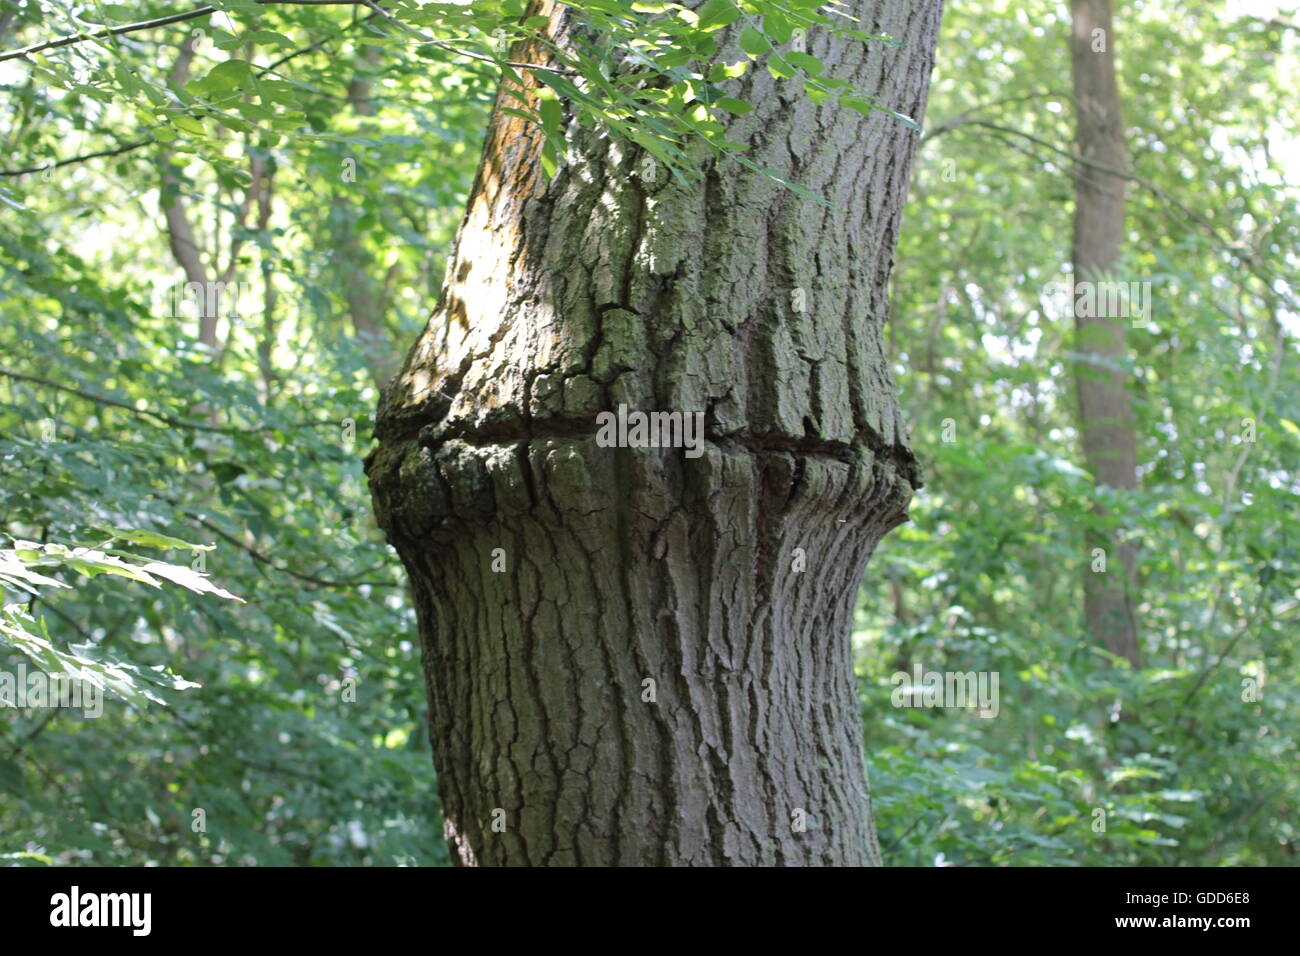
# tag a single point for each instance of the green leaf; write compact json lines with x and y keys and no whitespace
{"x":732,"y":105}
{"x":225,"y":76}
{"x":153,"y":539}
{"x":778,"y":66}
{"x":93,"y":563}
{"x":717,"y":13}
{"x":552,"y":114}
{"x":777,"y":25}
{"x":809,"y":64}
{"x":753,"y":42}
{"x":187,"y":124}
{"x":189,"y":578}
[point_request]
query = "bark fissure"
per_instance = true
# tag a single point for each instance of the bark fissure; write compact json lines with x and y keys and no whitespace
{"x":596,"y":289}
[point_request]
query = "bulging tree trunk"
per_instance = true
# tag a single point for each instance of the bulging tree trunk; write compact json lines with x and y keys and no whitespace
{"x":637,"y":655}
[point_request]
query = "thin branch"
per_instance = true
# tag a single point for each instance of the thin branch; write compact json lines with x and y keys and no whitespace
{"x":1247,"y":257}
{"x":78,"y":159}
{"x":963,"y":117}
{"x":194,"y":14}
{"x":75,"y":38}
{"x":261,"y":558}
{"x":433,"y":41}
{"x":1218,"y":659}
{"x":311,"y":46}
{"x":163,"y":417}
{"x":150,"y":141}
{"x":113,"y":403}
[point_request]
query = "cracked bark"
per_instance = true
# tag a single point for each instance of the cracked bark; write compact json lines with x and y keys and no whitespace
{"x":613,"y":284}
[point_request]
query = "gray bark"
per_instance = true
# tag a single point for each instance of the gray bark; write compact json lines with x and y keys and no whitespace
{"x":613,"y":284}
{"x":1105,"y":405}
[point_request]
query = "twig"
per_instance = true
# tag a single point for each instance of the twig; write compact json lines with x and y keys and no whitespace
{"x":205,"y":10}
{"x":194,"y":14}
{"x":77,"y":159}
{"x":263,"y":559}
{"x":1247,"y":257}
{"x":149,"y":413}
{"x":1219,"y":659}
{"x":151,"y":140}
{"x":433,"y":41}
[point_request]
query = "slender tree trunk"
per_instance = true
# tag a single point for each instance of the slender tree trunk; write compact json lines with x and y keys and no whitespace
{"x":363,"y":293}
{"x":181,"y":238}
{"x":634,"y":656}
{"x":1105,"y":405}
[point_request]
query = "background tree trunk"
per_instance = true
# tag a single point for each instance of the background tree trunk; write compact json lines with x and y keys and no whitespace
{"x":635,"y":657}
{"x":362,"y":291}
{"x":1105,"y":406}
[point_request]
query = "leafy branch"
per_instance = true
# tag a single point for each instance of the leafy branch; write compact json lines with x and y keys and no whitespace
{"x":23,"y":567}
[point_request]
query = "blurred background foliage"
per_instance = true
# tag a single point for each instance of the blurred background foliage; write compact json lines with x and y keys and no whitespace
{"x":114,"y":414}
{"x":324,"y":177}
{"x":988,"y":576}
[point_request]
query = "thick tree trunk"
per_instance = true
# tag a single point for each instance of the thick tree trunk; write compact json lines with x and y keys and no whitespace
{"x":1105,"y":406}
{"x":634,"y":656}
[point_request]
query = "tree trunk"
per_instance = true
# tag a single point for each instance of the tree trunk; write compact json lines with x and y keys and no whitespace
{"x":632,"y":655}
{"x":362,"y":291}
{"x":1105,"y":405}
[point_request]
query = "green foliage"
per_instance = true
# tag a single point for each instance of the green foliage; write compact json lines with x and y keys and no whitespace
{"x":1190,"y":759}
{"x":302,"y":737}
{"x":294,"y":718}
{"x":20,"y":630}
{"x":642,"y":71}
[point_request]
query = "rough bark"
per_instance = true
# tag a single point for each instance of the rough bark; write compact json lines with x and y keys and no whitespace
{"x":609,"y":284}
{"x":1105,"y":404}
